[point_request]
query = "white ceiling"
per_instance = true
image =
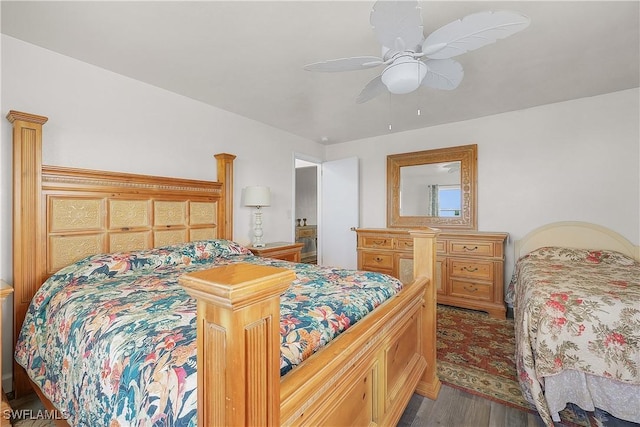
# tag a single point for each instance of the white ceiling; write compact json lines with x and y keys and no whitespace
{"x":247,"y":57}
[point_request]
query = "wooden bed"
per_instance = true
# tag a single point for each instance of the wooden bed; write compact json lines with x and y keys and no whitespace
{"x":364,"y":377}
{"x":572,"y":383}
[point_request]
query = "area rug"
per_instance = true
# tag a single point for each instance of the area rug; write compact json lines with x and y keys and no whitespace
{"x":477,"y":354}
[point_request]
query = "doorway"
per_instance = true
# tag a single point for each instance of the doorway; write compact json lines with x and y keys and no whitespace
{"x":307,"y":208}
{"x":326,"y":195}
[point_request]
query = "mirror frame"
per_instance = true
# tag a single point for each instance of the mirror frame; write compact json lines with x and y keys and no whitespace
{"x":467,"y":155}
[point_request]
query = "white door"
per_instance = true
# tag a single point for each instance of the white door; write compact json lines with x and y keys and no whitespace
{"x":340,"y":212}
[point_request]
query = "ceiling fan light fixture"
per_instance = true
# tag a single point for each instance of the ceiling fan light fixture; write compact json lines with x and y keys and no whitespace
{"x":404,"y":75}
{"x":413,"y":60}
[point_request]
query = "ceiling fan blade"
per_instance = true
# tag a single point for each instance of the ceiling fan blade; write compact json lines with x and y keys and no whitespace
{"x":443,"y":74}
{"x":397,"y":19}
{"x":374,"y":88}
{"x":345,"y":64}
{"x":472,"y":32}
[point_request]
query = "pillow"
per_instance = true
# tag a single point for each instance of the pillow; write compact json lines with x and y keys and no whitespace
{"x":610,"y":257}
{"x":594,"y":256}
{"x":122,"y":263}
{"x":205,"y":250}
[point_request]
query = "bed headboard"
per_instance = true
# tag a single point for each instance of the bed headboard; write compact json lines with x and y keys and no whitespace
{"x":575,"y":234}
{"x":61,"y":214}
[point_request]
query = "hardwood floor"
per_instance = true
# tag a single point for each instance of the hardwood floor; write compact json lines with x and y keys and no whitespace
{"x":455,"y":408}
{"x":30,"y":406}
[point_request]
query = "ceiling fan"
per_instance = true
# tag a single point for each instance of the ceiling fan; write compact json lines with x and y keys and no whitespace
{"x":412,"y":60}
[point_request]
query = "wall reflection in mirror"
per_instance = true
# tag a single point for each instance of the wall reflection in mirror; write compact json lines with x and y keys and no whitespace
{"x":431,"y":190}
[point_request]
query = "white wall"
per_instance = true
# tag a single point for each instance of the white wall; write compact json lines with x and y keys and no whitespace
{"x":571,"y":161}
{"x":102,"y":120}
{"x":576,"y":160}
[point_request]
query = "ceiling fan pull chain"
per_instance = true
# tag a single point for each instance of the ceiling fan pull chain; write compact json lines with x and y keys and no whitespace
{"x":418,"y":92}
{"x":390,"y":113}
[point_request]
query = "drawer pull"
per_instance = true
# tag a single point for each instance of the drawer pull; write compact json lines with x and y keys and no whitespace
{"x":408,"y":244}
{"x":470,"y":288}
{"x":469,"y":249}
{"x":377,"y":259}
{"x":465,"y":268}
{"x":379,"y":242}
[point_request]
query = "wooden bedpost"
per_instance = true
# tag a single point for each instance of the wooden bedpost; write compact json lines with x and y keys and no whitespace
{"x":225,"y":175}
{"x":28,"y":268}
{"x":238,"y":343}
{"x":424,"y":265}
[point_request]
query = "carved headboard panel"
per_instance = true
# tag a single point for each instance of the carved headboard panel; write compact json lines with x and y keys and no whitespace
{"x":89,"y":213}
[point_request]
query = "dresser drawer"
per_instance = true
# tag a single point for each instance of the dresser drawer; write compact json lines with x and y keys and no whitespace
{"x":377,"y":242}
{"x":377,"y":261}
{"x":305,"y":232}
{"x":470,"y":290}
{"x":469,"y":268}
{"x":404,"y":244}
{"x":478,"y":248}
{"x":472,"y":269}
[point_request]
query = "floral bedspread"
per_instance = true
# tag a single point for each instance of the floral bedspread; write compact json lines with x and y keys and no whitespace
{"x":111,"y":340}
{"x":575,"y":310}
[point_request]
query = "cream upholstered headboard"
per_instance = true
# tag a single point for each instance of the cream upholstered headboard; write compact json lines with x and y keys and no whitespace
{"x":575,"y":234}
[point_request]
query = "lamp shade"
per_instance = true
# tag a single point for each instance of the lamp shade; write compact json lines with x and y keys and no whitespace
{"x":257,"y":196}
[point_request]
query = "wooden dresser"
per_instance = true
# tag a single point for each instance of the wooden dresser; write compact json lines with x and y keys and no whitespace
{"x":303,"y":234}
{"x":470,"y":264}
{"x":306,"y":231}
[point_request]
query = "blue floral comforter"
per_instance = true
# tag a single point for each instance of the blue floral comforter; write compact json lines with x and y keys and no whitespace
{"x":111,"y":339}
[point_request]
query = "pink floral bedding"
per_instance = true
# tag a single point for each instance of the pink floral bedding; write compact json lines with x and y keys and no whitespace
{"x":575,"y":310}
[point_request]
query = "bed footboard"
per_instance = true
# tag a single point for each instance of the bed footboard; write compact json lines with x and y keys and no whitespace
{"x":366,"y":376}
{"x":238,"y":342}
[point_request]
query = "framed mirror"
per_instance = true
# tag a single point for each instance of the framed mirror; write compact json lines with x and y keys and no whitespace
{"x":433,"y":188}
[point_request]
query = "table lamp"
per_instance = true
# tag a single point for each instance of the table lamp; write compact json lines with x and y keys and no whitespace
{"x":257,"y":196}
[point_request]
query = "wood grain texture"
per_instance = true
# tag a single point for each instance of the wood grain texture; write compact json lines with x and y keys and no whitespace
{"x":281,"y":250}
{"x":378,"y":362}
{"x":63,"y":214}
{"x":469,"y":269}
{"x":243,"y":300}
{"x":467,"y":155}
{"x":458,"y":408}
{"x":28,"y":241}
{"x":225,"y":206}
{"x":237,"y":305}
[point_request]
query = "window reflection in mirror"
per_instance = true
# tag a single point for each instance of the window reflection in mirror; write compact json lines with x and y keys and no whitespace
{"x":431,"y":190}
{"x":449,"y":201}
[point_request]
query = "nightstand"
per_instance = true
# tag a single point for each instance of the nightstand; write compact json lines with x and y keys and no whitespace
{"x":285,"y":251}
{"x":5,"y":291}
